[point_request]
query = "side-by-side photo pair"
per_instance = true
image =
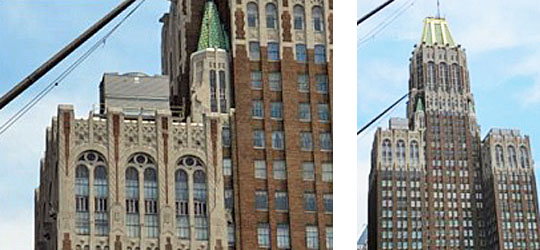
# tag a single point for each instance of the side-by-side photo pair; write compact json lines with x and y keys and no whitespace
{"x":447,"y":97}
{"x":173,"y":125}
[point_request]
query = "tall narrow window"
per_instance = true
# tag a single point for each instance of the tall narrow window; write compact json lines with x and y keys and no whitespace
{"x":273,"y":51}
{"x":278,"y":140}
{"x":151,"y":203}
{"x":400,"y":153}
{"x":321,"y":83}
{"x":301,"y":53}
{"x":283,"y":238}
{"x":304,"y":112}
{"x":298,"y":17}
{"x":512,"y":157}
{"x":132,"y":202}
{"x":213,"y":87}
{"x":431,"y":74}
{"x":276,"y":110}
{"x":226,"y":136}
{"x":274,"y":78}
{"x":524,"y":157}
{"x":256,"y":80}
{"x":82,"y":187}
{"x":456,"y":77}
{"x":323,"y":112}
{"x":328,"y":200}
{"x":499,"y":156}
{"x":101,"y":204}
{"x":443,"y":70}
{"x":306,"y":141}
{"x":261,"y":200}
{"x":263,"y":235}
{"x":312,"y":237}
{"x":258,"y":139}
{"x":252,"y":14}
{"x":309,"y":202}
{"x":271,"y":16}
{"x":254,"y":51}
{"x":325,"y":140}
{"x":415,"y":155}
{"x":279,"y":167}
{"x":229,"y":199}
{"x":257,"y":110}
{"x":318,"y":19}
{"x":327,"y":173}
{"x":303,"y":82}
{"x":282,"y":201}
{"x":227,"y":167}
{"x":199,"y":199}
{"x":308,"y":171}
{"x":260,"y":169}
{"x":222,"y":92}
{"x":182,"y":207}
{"x":320,"y":54}
{"x":330,"y":238}
{"x":387,"y":152}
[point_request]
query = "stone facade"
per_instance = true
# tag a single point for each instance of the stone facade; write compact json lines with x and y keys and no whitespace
{"x":116,"y":138}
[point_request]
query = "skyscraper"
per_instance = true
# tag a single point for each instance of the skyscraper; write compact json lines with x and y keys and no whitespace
{"x":239,"y":157}
{"x":436,"y":200}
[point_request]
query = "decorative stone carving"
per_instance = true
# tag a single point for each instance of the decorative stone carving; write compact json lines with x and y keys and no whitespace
{"x":149,"y":135}
{"x":100,"y":134}
{"x":81,"y":132}
{"x":239,"y":22}
{"x":286,"y":25}
{"x":130,"y":135}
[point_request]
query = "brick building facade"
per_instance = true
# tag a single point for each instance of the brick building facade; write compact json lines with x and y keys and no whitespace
{"x":455,"y":188}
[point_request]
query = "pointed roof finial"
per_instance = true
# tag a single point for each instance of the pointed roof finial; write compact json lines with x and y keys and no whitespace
{"x":438,"y":9}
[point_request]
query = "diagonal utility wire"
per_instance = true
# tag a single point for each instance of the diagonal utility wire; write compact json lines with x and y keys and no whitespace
{"x":381,"y":26}
{"x":381,"y":114}
{"x":7,"y":124}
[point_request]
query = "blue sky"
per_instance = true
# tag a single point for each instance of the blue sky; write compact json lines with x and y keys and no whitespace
{"x":503,"y":52}
{"x":31,"y":31}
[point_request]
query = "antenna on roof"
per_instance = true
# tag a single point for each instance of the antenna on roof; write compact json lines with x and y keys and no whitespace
{"x":438,"y":9}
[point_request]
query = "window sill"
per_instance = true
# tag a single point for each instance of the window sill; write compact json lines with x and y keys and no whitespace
{"x":277,"y":118}
{"x":304,"y":120}
{"x":257,"y":118}
{"x":258,"y":147}
{"x":326,"y":150}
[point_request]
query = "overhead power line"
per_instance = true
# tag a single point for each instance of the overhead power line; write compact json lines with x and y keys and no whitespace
{"x":381,"y":114}
{"x":373,"y":12}
{"x":381,"y":26}
{"x":13,"y":119}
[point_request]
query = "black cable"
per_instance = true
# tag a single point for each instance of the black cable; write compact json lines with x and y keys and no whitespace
{"x":381,"y":114}
{"x":381,"y":26}
{"x":6,"y":125}
{"x":368,"y":15}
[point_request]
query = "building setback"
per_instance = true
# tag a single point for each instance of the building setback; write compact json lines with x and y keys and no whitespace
{"x":240,"y":157}
{"x":455,"y":188}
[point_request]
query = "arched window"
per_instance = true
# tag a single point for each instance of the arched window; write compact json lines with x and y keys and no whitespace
{"x":101,"y":194}
{"x":318,"y":18}
{"x":271,"y":16}
{"x":387,"y":152}
{"x":298,"y":17}
{"x":151,"y":203}
{"x":182,"y":207}
{"x":213,"y":88}
{"x":132,"y":202}
{"x":400,"y":148}
{"x":443,"y":70}
{"x":431,"y":74}
{"x":524,"y":157}
{"x":252,"y":14}
{"x":499,"y":156}
{"x":82,"y":187}
{"x":456,"y":77}
{"x":222,"y":92}
{"x":415,"y":154}
{"x":199,"y":198}
{"x":512,"y":157}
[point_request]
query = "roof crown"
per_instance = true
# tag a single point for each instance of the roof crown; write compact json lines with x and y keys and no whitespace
{"x":213,"y":34}
{"x":436,"y":31}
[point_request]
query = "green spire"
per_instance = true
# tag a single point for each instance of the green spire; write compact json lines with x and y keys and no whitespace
{"x":419,"y":105}
{"x":213,"y":34}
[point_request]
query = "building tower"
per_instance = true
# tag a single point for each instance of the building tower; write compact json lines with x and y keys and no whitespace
{"x":440,"y":80}
{"x":464,"y":194}
{"x":279,"y":65}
